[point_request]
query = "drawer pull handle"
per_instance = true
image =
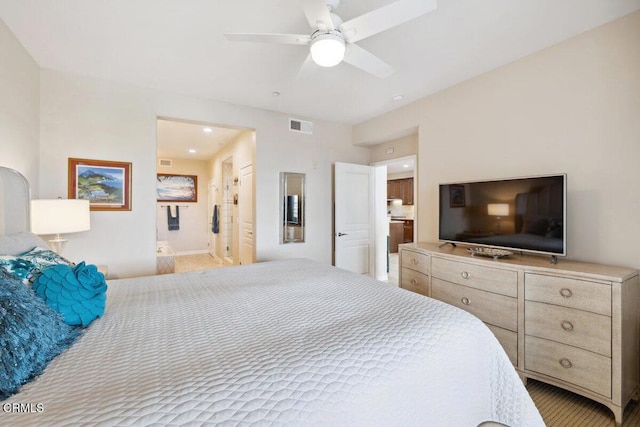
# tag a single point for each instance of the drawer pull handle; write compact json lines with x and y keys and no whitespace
{"x":466,"y":301}
{"x":566,"y":325}
{"x":465,"y":275}
{"x":414,"y":261}
{"x":566,"y":292}
{"x":565,"y":363}
{"x":414,"y":282}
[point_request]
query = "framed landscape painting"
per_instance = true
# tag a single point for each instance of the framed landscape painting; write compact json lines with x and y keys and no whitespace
{"x":106,"y":184}
{"x":177,"y":188}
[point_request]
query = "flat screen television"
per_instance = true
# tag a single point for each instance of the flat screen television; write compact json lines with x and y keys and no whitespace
{"x":520,"y":214}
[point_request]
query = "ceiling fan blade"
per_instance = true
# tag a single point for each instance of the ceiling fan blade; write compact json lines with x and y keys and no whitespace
{"x":386,"y":17}
{"x":299,"y":39}
{"x":366,"y":61}
{"x":308,"y":69}
{"x":317,"y":14}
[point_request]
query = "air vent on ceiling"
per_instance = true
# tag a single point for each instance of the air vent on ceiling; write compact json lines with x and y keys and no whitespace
{"x":301,"y":126}
{"x":167,"y":163}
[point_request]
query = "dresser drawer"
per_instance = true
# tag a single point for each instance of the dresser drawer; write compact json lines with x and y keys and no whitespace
{"x":567,"y":292}
{"x":578,"y":328}
{"x":576,"y":366}
{"x":495,"y":309}
{"x":490,"y":279}
{"x":415,"y":281}
{"x":417,"y":261}
{"x":508,"y":340}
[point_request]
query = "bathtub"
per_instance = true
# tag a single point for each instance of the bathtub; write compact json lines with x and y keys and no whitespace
{"x":165,"y":258}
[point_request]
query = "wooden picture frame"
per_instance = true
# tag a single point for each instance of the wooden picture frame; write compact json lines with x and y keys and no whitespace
{"x":106,"y":184}
{"x":456,"y":196}
{"x":177,"y":188}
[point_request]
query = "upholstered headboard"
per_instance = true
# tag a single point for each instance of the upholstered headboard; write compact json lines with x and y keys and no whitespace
{"x":15,"y":195}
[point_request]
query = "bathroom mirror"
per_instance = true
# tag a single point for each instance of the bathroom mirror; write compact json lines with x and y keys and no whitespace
{"x":292,"y":216}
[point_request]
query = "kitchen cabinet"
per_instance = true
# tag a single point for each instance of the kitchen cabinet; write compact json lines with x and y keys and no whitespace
{"x":394,"y":189}
{"x":395,"y":235}
{"x":407,"y":191}
{"x":407,"y":231}
{"x":401,"y":189}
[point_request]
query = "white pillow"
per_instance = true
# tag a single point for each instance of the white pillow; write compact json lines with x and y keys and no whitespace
{"x":18,"y":243}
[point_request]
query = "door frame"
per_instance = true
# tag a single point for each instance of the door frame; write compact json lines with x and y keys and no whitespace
{"x":414,"y":158}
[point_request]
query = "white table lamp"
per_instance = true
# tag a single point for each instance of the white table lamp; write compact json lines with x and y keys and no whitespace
{"x":59,"y":216}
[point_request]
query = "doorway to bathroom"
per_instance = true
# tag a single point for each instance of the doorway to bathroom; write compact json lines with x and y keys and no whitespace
{"x":210,"y":157}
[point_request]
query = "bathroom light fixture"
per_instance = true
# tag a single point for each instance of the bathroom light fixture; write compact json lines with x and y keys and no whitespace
{"x":207,"y":130}
{"x":58,"y":216}
{"x":327,"y":50}
{"x":192,"y":150}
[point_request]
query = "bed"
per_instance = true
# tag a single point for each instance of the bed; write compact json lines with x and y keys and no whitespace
{"x":289,"y":342}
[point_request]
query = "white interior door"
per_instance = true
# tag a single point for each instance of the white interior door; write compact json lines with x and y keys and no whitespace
{"x":245,"y":200}
{"x":354,"y":234}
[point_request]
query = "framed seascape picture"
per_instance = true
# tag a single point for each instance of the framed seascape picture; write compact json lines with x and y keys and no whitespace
{"x":106,"y":184}
{"x":456,"y":196}
{"x":177,"y":188}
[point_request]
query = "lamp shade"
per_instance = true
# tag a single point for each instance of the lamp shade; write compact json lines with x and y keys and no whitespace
{"x":498,"y":209}
{"x":59,"y":216}
{"x":327,"y":50}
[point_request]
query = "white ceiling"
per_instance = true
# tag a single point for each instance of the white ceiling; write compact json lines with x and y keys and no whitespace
{"x":179,"y":46}
{"x":185,"y":140}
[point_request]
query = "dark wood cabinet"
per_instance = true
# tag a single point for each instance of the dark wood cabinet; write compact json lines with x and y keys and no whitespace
{"x":396,"y":231}
{"x":394,"y":189}
{"x":407,"y":231}
{"x":401,"y":189}
{"x":407,"y":191}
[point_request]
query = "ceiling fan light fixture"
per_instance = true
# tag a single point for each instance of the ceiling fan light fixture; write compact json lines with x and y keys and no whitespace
{"x":327,"y":50}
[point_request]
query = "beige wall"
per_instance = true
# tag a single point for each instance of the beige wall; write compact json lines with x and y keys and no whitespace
{"x":192,"y":236}
{"x":96,"y":119}
{"x":19,"y":107}
{"x":402,"y":147}
{"x":572,"y":108}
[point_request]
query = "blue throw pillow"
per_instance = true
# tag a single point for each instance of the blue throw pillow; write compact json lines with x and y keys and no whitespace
{"x":31,"y":334}
{"x":78,"y":293}
{"x":27,"y":265}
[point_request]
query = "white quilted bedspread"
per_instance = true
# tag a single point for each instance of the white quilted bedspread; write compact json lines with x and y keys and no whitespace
{"x":279,"y":343}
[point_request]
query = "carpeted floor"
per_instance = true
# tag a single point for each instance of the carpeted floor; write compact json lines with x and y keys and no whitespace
{"x":561,"y":408}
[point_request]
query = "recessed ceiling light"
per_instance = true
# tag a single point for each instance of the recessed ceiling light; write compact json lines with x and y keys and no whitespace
{"x":192,"y":150}
{"x":207,"y":130}
{"x":398,"y":98}
{"x":275,"y":93}
{"x":405,"y":166}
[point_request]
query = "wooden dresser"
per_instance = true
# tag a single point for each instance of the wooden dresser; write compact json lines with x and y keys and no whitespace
{"x":575,"y":325}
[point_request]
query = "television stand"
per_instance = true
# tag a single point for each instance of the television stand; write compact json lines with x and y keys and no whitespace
{"x":554,"y":259}
{"x":575,"y":325}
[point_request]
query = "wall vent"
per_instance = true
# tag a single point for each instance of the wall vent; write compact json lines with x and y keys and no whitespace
{"x":301,"y":126}
{"x":166,"y":163}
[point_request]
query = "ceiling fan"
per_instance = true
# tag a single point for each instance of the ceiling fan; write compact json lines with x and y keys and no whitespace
{"x":333,"y":41}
